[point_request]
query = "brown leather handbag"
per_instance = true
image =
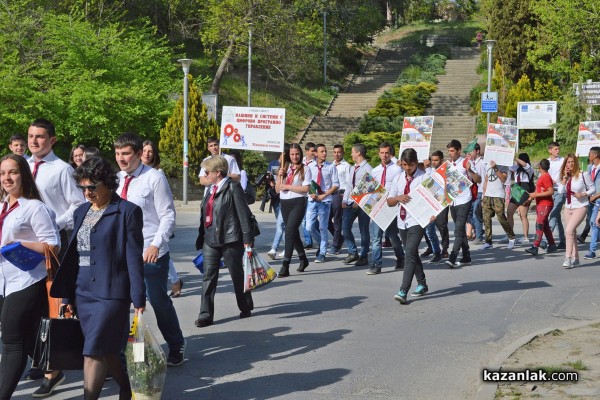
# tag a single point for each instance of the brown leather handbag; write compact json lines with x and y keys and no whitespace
{"x":52,"y":264}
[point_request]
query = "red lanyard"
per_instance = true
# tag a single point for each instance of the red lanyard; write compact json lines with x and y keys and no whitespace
{"x":5,"y":212}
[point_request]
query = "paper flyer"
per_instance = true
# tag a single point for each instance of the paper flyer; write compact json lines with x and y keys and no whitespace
{"x":416,"y":134}
{"x":588,"y":137}
{"x":500,"y":144}
{"x":372,"y":198}
{"x":436,"y":193}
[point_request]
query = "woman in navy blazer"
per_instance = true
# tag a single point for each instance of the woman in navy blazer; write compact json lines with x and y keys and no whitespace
{"x":102,"y":273}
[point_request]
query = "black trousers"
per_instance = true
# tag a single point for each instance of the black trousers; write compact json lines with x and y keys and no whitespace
{"x":413,"y":267}
{"x":459,"y":216}
{"x":441,"y":222}
{"x":20,"y":319}
{"x":232,"y":254}
{"x":293,"y":213}
{"x":335,"y":221}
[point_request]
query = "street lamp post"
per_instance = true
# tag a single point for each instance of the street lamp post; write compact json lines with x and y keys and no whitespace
{"x":185,"y":64}
{"x":250,"y":65}
{"x":324,"y":47}
{"x":490,"y":46}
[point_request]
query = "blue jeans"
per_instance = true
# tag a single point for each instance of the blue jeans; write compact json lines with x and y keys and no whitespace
{"x":594,"y":228}
{"x":156,"y":277}
{"x":348,"y":217}
{"x":318,"y":210}
{"x":555,"y":221}
{"x":433,"y":239}
{"x":474,"y":220}
{"x":305,"y":232}
{"x":377,"y":235}
{"x":279,"y":228}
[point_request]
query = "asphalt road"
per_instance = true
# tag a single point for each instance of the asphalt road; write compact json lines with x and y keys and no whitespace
{"x":333,"y":332}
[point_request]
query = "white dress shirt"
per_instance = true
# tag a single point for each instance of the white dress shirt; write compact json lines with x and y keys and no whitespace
{"x":58,"y":188}
{"x":31,"y":221}
{"x":392,"y":171}
{"x":342,"y":170}
{"x":330,"y":177}
{"x":480,"y":167}
{"x":554,"y":170}
{"x":289,"y":194}
{"x":150,"y":190}
{"x":579,"y":184}
{"x":363,"y":168}
{"x":397,"y":189}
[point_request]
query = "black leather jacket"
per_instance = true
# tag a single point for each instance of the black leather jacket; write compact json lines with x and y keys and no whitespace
{"x":231,"y":216}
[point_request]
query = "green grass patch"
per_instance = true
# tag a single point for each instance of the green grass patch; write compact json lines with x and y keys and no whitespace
{"x":576,"y":365}
{"x":462,"y":33}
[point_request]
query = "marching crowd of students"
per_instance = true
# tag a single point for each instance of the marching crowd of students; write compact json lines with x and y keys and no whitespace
{"x":328,"y":208}
{"x":112,"y":230}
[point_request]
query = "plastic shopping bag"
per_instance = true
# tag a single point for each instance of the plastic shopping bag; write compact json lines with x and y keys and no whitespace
{"x":146,"y":361}
{"x":257,"y":272}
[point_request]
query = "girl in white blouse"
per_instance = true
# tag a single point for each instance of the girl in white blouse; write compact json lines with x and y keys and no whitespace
{"x":577,"y":186}
{"x":292,"y":185}
{"x":24,"y":218}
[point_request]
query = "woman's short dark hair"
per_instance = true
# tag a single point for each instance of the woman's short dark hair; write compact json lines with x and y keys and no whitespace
{"x":29,"y":189}
{"x":71,"y":162}
{"x":91,"y":152}
{"x":97,"y":170}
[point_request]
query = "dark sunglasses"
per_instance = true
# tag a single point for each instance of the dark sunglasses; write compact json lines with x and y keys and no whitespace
{"x":91,"y":188}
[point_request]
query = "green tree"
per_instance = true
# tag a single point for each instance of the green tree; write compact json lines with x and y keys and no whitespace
{"x":199,"y":129}
{"x":566,"y":39}
{"x":94,"y":82}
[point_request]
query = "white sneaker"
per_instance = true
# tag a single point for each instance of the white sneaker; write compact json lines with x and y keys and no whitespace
{"x":280,"y":255}
{"x":574,"y":262}
{"x":272,"y":254}
{"x":511,"y":244}
{"x":567,"y":263}
{"x":487,"y":246}
{"x":525,"y":240}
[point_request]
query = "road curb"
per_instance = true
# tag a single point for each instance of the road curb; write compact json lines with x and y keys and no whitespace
{"x":487,"y":391}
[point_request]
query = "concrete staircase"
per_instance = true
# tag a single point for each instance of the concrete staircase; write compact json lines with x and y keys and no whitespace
{"x":450,"y":102}
{"x":348,"y":107}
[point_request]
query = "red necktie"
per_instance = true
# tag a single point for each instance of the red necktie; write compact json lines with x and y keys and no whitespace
{"x":593,"y":174}
{"x":319,"y":175}
{"x":36,"y":165}
{"x":290,"y":176}
{"x":569,"y":193}
{"x":383,"y":175}
{"x":518,"y":177}
{"x":5,"y":212}
{"x":128,"y":179}
{"x":209,"y":208}
{"x":356,"y":167}
{"x":406,"y":191}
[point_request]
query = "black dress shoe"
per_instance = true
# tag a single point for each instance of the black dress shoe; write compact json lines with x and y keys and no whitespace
{"x":203,"y":323}
{"x":245,"y":314}
{"x":362,"y":261}
{"x":308,"y":247}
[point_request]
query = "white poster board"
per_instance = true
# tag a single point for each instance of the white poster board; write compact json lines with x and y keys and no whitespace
{"x":416,"y":134}
{"x":536,"y":114}
{"x":588,"y":137}
{"x":372,"y":198}
{"x":253,"y":128}
{"x":500,"y":144}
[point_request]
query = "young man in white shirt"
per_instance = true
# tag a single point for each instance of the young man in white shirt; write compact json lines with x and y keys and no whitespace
{"x":594,"y":206}
{"x":559,"y":199}
{"x":493,"y":203}
{"x":214,"y":149}
{"x":353,"y":211}
{"x":324,"y":173}
{"x":309,"y":159}
{"x":411,"y":232}
{"x":335,"y":218}
{"x":459,"y":209}
{"x":385,"y":173}
{"x":441,"y":221}
{"x":149,"y":189}
{"x":54,"y":179}
{"x":479,"y":167}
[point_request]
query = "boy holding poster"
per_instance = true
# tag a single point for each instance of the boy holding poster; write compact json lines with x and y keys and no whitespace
{"x":411,"y":232}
